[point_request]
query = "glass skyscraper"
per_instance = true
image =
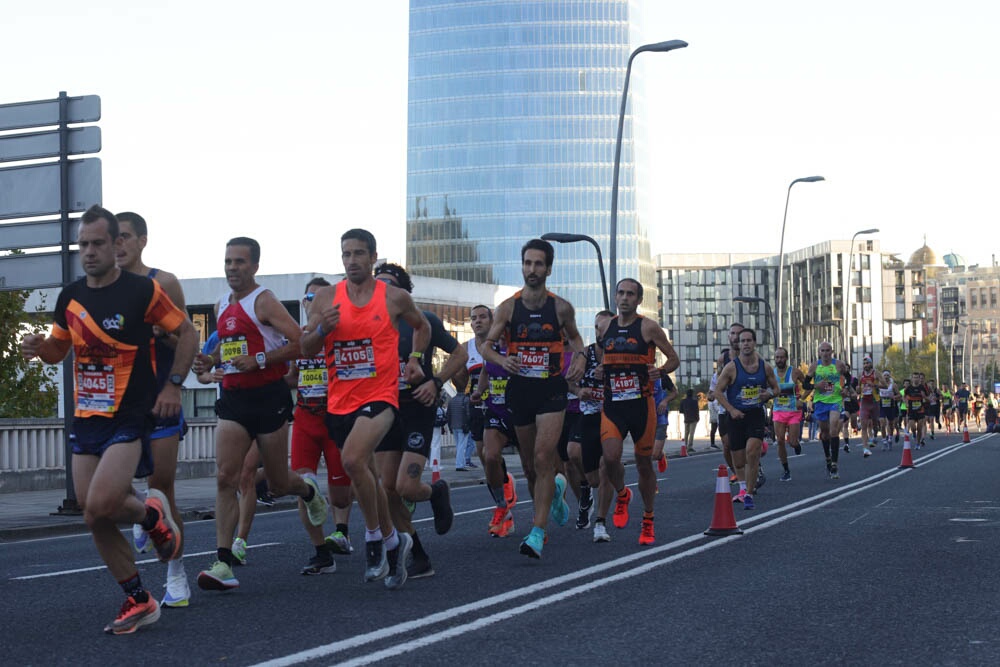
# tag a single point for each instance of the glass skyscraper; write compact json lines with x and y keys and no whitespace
{"x":513,"y":113}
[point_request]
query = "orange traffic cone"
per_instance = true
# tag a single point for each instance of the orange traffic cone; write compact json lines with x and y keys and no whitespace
{"x":661,"y":465}
{"x":965,"y":434}
{"x":723,"y":519}
{"x":684,"y":449}
{"x":907,"y":461}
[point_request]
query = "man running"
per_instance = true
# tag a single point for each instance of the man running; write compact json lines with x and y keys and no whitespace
{"x":257,"y":339}
{"x":356,"y":324}
{"x":947,"y":407}
{"x":535,"y":321}
{"x":745,"y":385}
{"x":630,"y":343}
{"x":962,"y":397}
{"x":787,"y":413}
{"x":725,"y":357}
{"x":830,"y":375}
{"x":933,"y":407}
{"x":868,"y":382}
{"x":888,"y":413}
{"x":310,"y":441}
{"x":107,"y":318}
{"x":914,"y":395}
{"x":166,"y":437}
{"x":401,"y":457}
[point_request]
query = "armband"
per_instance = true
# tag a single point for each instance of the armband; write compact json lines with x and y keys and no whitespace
{"x":807,"y":383}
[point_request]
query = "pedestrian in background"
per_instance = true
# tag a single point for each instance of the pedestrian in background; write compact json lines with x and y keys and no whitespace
{"x":460,"y":420}
{"x":691,"y":412}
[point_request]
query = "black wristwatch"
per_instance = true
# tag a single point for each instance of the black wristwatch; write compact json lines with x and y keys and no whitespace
{"x":438,"y":382}
{"x":176,"y":380}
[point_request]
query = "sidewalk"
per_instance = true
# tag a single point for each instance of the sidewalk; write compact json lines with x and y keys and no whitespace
{"x":31,"y":514}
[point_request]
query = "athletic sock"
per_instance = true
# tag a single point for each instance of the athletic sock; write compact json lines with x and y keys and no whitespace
{"x":373,"y":535}
{"x":133,"y":588}
{"x":784,"y":464}
{"x":392,"y":541}
{"x":497,"y":494}
{"x":322,"y":550}
{"x":826,"y":447}
{"x":149,"y":521}
{"x":226,"y":556}
{"x":342,"y":528}
{"x":743,"y":486}
{"x":175,"y":567}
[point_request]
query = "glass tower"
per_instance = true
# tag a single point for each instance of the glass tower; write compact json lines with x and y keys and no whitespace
{"x":512,"y":117}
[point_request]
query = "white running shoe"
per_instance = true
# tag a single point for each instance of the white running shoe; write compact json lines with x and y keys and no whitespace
{"x":140,"y":539}
{"x":601,"y":533}
{"x":178,"y":592}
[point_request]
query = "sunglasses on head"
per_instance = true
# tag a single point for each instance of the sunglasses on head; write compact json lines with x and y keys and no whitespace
{"x":309,"y":296}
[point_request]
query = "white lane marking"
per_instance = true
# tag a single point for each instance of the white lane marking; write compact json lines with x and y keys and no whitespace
{"x":478,"y":606}
{"x":858,"y":519}
{"x":138,"y":562}
{"x":967,"y":520}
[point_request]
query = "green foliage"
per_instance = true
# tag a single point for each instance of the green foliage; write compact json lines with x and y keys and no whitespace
{"x":27,"y":389}
{"x":918,"y":360}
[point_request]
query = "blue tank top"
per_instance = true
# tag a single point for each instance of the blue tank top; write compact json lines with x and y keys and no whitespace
{"x":744,"y":393}
{"x":496,"y":399}
{"x":786,"y":400}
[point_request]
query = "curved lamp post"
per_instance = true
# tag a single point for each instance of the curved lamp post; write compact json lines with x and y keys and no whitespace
{"x":659,"y":47}
{"x":767,"y":311}
{"x":847,"y":298}
{"x":781,"y":248}
{"x":559,"y":237}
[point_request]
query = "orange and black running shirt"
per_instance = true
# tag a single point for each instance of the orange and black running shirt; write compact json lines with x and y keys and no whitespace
{"x":361,"y":354}
{"x":535,"y":338}
{"x":111,"y":328}
{"x":627,"y":356}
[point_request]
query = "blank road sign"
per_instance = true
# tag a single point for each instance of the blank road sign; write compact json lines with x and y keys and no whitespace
{"x":36,"y":145}
{"x":85,"y":109}
{"x":43,"y":234}
{"x":34,"y":190}
{"x":36,"y":271}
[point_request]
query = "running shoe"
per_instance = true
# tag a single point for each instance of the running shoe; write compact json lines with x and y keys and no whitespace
{"x":559,"y":509}
{"x":601,"y":532}
{"x":506,"y":528}
{"x":419,"y":568}
{"x":239,"y":550}
{"x":733,"y":479}
{"x":738,"y":498}
{"x":510,"y":491}
{"x":866,"y":452}
{"x":140,"y":539}
{"x":264,"y":496}
{"x":470,"y":465}
{"x":834,"y":472}
{"x":785,"y":477}
{"x":320,"y":564}
{"x":798,"y":450}
{"x":646,"y":534}
{"x":178,"y":592}
{"x":340,"y":544}
{"x":315,"y":508}
{"x":499,"y":515}
{"x":133,"y":615}
{"x":397,"y":562}
{"x":620,"y":518}
{"x":661,"y":465}
{"x":748,"y":502}
{"x":219,"y":577}
{"x":164,"y":535}
{"x":847,"y":447}
{"x":531,"y":545}
{"x":714,"y":446}
{"x":761,"y":478}
{"x":444,"y":515}
{"x":377,"y":566}
{"x":586,"y":509}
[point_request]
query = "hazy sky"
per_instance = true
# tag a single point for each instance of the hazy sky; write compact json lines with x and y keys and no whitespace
{"x":287,"y":122}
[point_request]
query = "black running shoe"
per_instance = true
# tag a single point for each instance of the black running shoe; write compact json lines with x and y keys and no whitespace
{"x":444,"y":515}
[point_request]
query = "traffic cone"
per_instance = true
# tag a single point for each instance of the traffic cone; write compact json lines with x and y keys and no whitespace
{"x":965,"y":434}
{"x":723,"y":519}
{"x":907,"y":461}
{"x":661,"y":465}
{"x":684,"y":449}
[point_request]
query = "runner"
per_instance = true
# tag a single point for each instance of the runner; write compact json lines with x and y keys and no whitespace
{"x":977,"y":407}
{"x":914,"y":396}
{"x":356,"y":326}
{"x":850,"y":409}
{"x":745,"y":385}
{"x":107,"y":318}
{"x":933,"y":408}
{"x":166,"y":437}
{"x":787,"y":412}
{"x":868,"y":382}
{"x":830,"y":375}
{"x":535,"y":321}
{"x":947,"y":407}
{"x":664,"y":391}
{"x":255,"y":404}
{"x":962,"y":401}
{"x":402,"y":456}
{"x":310,"y":441}
{"x":888,"y":413}
{"x":630,"y":342}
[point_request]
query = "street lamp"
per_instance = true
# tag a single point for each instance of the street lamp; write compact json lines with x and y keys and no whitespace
{"x":559,"y":237}
{"x":847,"y":297}
{"x":781,"y":248}
{"x":659,"y":47}
{"x":954,"y":333}
{"x":767,"y":310}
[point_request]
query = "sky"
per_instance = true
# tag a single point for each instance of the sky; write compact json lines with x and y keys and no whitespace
{"x":287,"y":122}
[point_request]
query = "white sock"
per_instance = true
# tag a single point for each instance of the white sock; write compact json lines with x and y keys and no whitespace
{"x":175,"y":567}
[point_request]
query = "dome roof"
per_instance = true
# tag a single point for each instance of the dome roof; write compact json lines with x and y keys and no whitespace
{"x":923,"y":256}
{"x":952,"y":260}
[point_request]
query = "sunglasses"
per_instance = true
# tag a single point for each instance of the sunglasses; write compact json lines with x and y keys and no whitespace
{"x":309,"y":296}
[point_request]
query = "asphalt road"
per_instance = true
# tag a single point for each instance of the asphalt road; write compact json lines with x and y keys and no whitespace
{"x":883,"y":567}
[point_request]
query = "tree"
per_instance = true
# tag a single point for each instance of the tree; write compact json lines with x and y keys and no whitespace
{"x":27,"y":388}
{"x":918,"y":360}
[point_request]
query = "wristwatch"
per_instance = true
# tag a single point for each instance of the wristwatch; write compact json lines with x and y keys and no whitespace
{"x":438,"y":382}
{"x":261,"y":360}
{"x":177,"y":380}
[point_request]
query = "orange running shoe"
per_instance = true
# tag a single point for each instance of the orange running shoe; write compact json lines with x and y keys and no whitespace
{"x":646,"y":535}
{"x":506,"y":528}
{"x":499,"y":515}
{"x":510,"y":491}
{"x":133,"y":615}
{"x":620,"y":518}
{"x":165,"y":536}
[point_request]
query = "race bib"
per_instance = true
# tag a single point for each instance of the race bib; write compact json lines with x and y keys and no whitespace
{"x":886,"y":402}
{"x":498,"y":391}
{"x":354,"y":359}
{"x":312,"y":383}
{"x":625,"y":387}
{"x":916,"y":405}
{"x":867,"y":390}
{"x":534,"y":362}
{"x":95,"y":388}
{"x":750,"y":395}
{"x":783,"y":401}
{"x":403,"y":384}
{"x":230,"y":348}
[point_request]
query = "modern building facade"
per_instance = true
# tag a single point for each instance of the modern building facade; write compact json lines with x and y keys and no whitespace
{"x":512,"y":118}
{"x":969,"y":323}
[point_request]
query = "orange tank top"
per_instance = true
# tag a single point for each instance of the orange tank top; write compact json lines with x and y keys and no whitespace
{"x":361,"y":355}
